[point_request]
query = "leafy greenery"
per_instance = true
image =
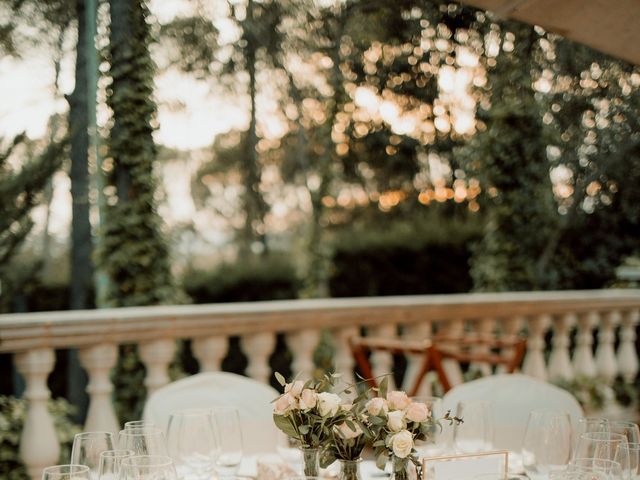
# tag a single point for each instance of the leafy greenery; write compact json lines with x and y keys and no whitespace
{"x":12,"y":417}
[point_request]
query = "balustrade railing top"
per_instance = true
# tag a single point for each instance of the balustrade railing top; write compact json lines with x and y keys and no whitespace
{"x":20,"y":332}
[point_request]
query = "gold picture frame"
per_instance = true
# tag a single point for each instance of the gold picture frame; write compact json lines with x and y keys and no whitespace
{"x":431,"y":466}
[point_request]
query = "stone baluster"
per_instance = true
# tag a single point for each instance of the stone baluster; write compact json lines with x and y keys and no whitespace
{"x":381,"y":361}
{"x":412,"y":332}
{"x":156,"y":356}
{"x":510,"y":328}
{"x":484,"y":329}
{"x":534,"y":360}
{"x":39,"y":445}
{"x":627,"y":354}
{"x":210,"y":351}
{"x":560,"y":360}
{"x":606,"y":363}
{"x":98,"y":360}
{"x":302,"y":344}
{"x":453,"y":328}
{"x":584,"y":364}
{"x":258,"y":347}
{"x":344,"y":361}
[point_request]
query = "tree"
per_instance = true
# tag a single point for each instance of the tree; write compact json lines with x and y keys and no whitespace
{"x":509,"y":157}
{"x":132,"y":252}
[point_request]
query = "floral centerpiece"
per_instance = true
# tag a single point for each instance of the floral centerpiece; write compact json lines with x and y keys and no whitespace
{"x":308,"y":412}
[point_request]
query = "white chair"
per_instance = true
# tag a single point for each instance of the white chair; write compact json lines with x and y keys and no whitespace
{"x":511,"y":398}
{"x":221,"y":389}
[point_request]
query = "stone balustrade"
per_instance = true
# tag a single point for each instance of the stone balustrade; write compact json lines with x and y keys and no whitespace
{"x":571,"y":317}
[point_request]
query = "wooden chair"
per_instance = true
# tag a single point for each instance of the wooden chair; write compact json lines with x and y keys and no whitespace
{"x":495,"y":351}
{"x":360,"y":346}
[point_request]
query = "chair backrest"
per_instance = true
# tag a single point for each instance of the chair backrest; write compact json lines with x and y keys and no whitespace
{"x":511,"y":398}
{"x":361,"y":346}
{"x":504,"y":352}
{"x":211,"y":389}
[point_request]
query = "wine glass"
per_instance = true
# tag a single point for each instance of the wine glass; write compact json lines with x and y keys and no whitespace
{"x":138,"y":424}
{"x":87,"y":447}
{"x":148,"y":467}
{"x":192,"y":443}
{"x":547,"y":443}
{"x":612,"y":469}
{"x":588,"y":425}
{"x":110,"y":461}
{"x":226,"y":422}
{"x":602,"y":445}
{"x":143,"y":441}
{"x":630,"y":451}
{"x":66,"y":472}
{"x":475,"y":433}
{"x":434,"y":445}
{"x":628,"y":429}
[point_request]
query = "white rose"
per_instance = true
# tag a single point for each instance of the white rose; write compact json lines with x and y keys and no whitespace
{"x":402,"y":444}
{"x":376,"y":406}
{"x":417,"y":412}
{"x":345,"y":431}
{"x":345,"y":407}
{"x":308,"y":399}
{"x":395,"y":421}
{"x":398,"y":400}
{"x":284,"y":404}
{"x":328,"y":404}
{"x":294,"y":388}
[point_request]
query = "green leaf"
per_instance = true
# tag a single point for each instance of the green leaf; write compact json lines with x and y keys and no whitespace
{"x":384,"y":386}
{"x":280,"y":379}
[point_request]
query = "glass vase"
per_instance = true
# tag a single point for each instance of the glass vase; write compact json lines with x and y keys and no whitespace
{"x":350,"y":469}
{"x":311,"y":462}
{"x":402,"y":469}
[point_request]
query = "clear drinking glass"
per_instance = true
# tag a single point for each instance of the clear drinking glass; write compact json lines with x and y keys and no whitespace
{"x":87,"y":447}
{"x":475,"y":434}
{"x":143,"y":441}
{"x":602,"y":445}
{"x":226,"y":422}
{"x":547,"y":443}
{"x":629,"y":429}
{"x":588,"y":425}
{"x":138,"y":424}
{"x":192,"y":443}
{"x":148,"y":467}
{"x":110,"y":461}
{"x":630,"y":452}
{"x":66,"y":472}
{"x":612,"y":469}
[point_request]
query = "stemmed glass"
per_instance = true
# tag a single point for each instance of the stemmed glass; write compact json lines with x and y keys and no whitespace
{"x":66,"y":472}
{"x":148,"y":467}
{"x":87,"y":447}
{"x":191,"y":442}
{"x":630,"y":451}
{"x":475,"y":434}
{"x":226,"y":422}
{"x":547,"y":443}
{"x":143,"y":441}
{"x":629,"y":429}
{"x":602,"y":445}
{"x":138,"y":424}
{"x":110,"y":462}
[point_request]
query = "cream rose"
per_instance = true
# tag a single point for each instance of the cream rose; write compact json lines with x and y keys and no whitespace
{"x":402,"y":444}
{"x":376,"y":406}
{"x":295,"y":388}
{"x":345,"y":431}
{"x":398,"y":400}
{"x":308,"y":399}
{"x":417,"y":412}
{"x":395,"y":421}
{"x":284,"y":404}
{"x":328,"y":404}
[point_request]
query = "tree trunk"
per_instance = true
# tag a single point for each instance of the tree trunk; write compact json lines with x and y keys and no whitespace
{"x":80,"y":258}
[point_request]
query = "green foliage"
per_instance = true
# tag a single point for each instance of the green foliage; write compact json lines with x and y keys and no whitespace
{"x":270,"y":277}
{"x":132,"y":251}
{"x":12,"y":417}
{"x":403,"y":258}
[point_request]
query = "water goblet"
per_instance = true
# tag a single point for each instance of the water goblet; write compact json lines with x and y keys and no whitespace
{"x":110,"y":461}
{"x":192,"y":443}
{"x":226,"y":422}
{"x":148,"y":467}
{"x":547,"y":443}
{"x":66,"y":472}
{"x":143,"y":441}
{"x":475,"y":434}
{"x":87,"y":447}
